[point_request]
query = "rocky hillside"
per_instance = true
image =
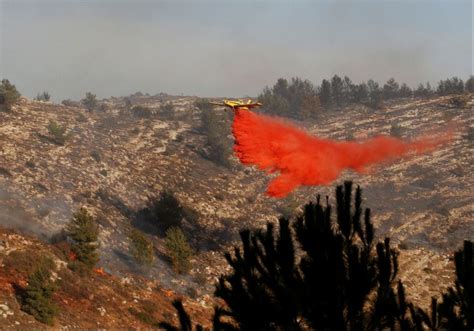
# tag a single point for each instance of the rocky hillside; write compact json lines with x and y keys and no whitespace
{"x":99,"y":300}
{"x":114,"y":159}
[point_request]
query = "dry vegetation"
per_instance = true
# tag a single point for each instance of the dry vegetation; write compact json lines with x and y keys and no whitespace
{"x":115,"y":161}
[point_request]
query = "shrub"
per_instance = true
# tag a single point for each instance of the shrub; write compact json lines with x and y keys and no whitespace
{"x":95,"y":155}
{"x":71,"y":103}
{"x":141,"y":248}
{"x":459,"y":101}
{"x":163,"y":212}
{"x":45,"y":96}
{"x":144,"y":317}
{"x":37,"y":299}
{"x":83,"y":230}
{"x":9,"y":95}
{"x":178,"y":249}
{"x":396,"y":130}
{"x":214,"y":126}
{"x":57,"y":133}
{"x":141,"y":111}
{"x":5,"y":172}
{"x":90,"y":101}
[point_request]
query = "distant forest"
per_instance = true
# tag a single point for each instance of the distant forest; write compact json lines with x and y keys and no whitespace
{"x":301,"y":99}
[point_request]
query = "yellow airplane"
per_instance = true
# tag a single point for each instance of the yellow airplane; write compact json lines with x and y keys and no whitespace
{"x":237,"y":104}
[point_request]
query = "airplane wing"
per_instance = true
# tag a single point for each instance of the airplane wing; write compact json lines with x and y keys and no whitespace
{"x":249,"y":105}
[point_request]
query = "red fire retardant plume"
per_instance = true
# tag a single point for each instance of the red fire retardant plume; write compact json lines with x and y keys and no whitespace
{"x":301,"y":159}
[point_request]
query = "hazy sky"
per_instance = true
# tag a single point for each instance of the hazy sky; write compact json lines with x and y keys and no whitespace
{"x":226,"y":48}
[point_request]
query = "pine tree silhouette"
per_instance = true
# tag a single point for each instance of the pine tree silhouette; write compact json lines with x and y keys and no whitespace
{"x":322,"y":273}
{"x":456,"y":311}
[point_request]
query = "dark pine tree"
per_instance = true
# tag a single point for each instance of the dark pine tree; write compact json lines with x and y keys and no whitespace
{"x":456,"y":311}
{"x":316,"y":272}
{"x":325,"y":93}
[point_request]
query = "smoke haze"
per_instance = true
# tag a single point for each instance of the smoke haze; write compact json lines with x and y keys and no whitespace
{"x":226,"y":48}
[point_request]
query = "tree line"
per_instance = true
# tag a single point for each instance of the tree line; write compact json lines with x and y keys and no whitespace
{"x":300,"y":98}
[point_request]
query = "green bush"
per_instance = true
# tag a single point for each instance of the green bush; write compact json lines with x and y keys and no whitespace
{"x":163,"y":212}
{"x":215,"y":126}
{"x":57,"y":133}
{"x":141,"y":248}
{"x":90,"y":101}
{"x":178,"y":249}
{"x":9,"y":95}
{"x":38,"y":296}
{"x":83,"y":230}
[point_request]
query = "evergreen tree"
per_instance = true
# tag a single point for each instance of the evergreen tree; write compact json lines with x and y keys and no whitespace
{"x":83,"y":230}
{"x":375,"y":94}
{"x":456,"y":311}
{"x":45,"y":96}
{"x":338,"y":274}
{"x":429,"y":89}
{"x":274,"y":103}
{"x":360,"y":93}
{"x":301,"y":93}
{"x":38,"y":296}
{"x":166,"y":211}
{"x":347,"y":90}
{"x":214,"y":126}
{"x":470,"y":84}
{"x":343,"y":281}
{"x":57,"y":133}
{"x":297,"y":98}
{"x":337,"y":88}
{"x":141,"y":248}
{"x":452,"y":85}
{"x":178,"y":249}
{"x":90,"y":101}
{"x":405,"y":91}
{"x":325,"y":93}
{"x":281,"y":88}
{"x":390,"y":89}
{"x":9,"y":95}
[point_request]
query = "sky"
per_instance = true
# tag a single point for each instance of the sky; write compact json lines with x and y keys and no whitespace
{"x":226,"y":48}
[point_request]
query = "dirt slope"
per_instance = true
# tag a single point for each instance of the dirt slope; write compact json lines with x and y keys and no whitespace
{"x":114,"y":160}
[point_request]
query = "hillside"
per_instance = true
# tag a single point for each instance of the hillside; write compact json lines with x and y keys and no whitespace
{"x":114,"y":160}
